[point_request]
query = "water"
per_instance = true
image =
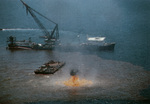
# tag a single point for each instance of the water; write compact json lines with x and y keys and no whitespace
{"x":119,"y":76}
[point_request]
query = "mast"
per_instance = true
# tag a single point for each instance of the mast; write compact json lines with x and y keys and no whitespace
{"x":54,"y":34}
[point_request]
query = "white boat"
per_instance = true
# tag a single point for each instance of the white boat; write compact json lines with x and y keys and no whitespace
{"x":98,"y":43}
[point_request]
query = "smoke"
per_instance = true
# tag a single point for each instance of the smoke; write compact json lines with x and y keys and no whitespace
{"x":74,"y":72}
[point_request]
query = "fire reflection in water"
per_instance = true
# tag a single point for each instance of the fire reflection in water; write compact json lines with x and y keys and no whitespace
{"x":74,"y":81}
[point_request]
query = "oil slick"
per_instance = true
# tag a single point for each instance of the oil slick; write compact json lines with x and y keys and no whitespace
{"x":74,"y":80}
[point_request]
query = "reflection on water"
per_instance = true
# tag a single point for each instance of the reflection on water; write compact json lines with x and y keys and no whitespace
{"x":110,"y":79}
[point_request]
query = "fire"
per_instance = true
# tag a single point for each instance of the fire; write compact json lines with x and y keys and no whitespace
{"x":74,"y":81}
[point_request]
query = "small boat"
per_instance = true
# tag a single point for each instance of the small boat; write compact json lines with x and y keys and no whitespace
{"x":50,"y":67}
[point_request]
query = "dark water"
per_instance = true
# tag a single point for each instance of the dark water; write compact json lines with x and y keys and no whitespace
{"x":119,"y":76}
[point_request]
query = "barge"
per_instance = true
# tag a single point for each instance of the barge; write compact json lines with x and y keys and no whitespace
{"x":50,"y":67}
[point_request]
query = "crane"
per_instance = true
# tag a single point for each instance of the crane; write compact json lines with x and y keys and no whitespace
{"x":54,"y":35}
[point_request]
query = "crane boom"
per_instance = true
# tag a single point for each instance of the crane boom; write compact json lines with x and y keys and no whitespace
{"x":54,"y":34}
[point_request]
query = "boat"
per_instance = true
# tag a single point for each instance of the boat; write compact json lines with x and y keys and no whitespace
{"x":14,"y":44}
{"x":97,"y":43}
{"x":50,"y":67}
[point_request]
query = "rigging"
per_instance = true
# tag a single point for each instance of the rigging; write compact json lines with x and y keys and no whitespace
{"x":50,"y":36}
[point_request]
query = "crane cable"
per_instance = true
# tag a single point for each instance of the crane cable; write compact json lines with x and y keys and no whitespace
{"x":37,"y":12}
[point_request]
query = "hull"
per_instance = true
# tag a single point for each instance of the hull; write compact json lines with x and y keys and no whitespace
{"x":46,"y":72}
{"x":30,"y":47}
{"x":43,"y":47}
{"x":107,"y":46}
{"x":19,"y":47}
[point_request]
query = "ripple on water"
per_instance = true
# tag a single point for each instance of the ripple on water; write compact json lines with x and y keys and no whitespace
{"x":110,"y":80}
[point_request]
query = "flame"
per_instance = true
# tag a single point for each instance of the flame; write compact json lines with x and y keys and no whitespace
{"x":74,"y":81}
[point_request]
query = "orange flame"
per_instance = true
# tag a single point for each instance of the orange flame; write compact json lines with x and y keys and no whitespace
{"x":74,"y":81}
